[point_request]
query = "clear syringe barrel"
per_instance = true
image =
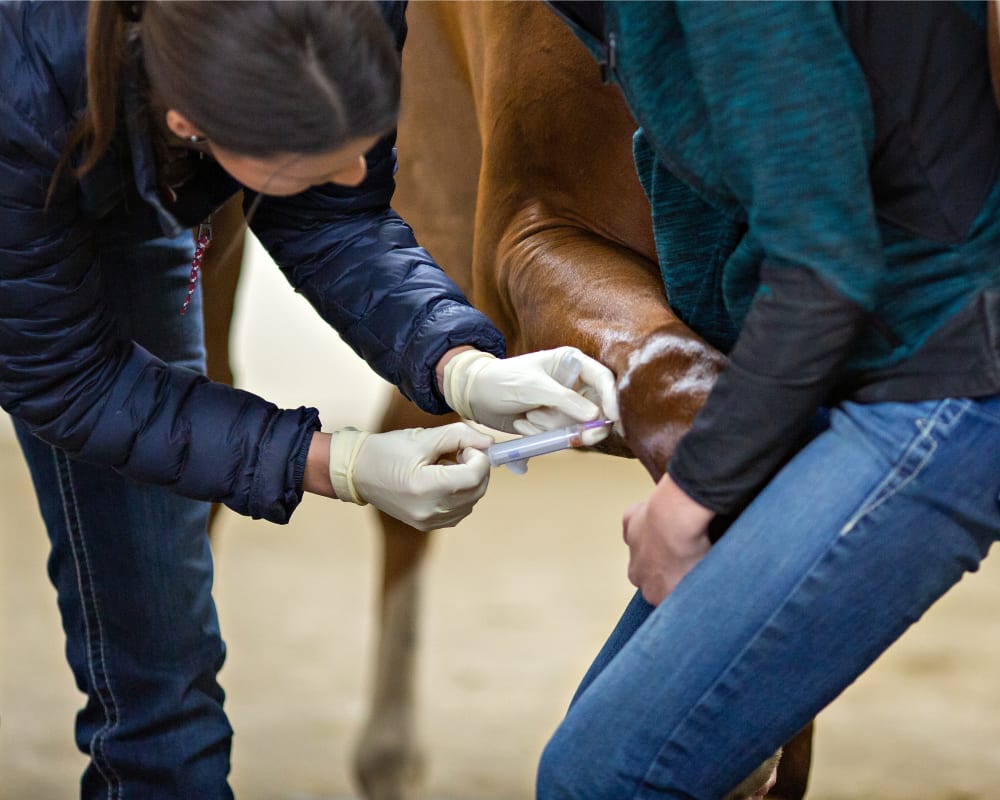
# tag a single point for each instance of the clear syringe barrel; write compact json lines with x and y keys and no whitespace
{"x":546,"y":442}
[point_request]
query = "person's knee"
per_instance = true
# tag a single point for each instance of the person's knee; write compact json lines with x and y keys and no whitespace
{"x":567,"y":772}
{"x":555,"y":776}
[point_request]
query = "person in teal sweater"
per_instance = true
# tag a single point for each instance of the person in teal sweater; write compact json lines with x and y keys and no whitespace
{"x":824,"y":185}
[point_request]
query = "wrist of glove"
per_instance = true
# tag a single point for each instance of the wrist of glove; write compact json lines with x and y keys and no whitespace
{"x":528,"y":394}
{"x":412,"y":474}
{"x":345,"y":445}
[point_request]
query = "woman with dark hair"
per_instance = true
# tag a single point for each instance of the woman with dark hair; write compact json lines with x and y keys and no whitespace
{"x":122,"y":126}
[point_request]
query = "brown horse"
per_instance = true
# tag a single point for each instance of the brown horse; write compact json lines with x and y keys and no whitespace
{"x":516,"y":174}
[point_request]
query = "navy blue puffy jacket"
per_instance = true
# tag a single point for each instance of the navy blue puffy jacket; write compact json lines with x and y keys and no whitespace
{"x":66,"y":372}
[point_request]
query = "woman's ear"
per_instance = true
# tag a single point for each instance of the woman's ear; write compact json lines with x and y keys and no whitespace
{"x":182,"y":127}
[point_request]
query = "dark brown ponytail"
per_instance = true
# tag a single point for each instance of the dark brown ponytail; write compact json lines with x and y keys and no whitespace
{"x":106,"y":31}
{"x":105,"y":55}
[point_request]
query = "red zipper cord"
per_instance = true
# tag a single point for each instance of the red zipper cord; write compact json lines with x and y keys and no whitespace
{"x":202,"y":241}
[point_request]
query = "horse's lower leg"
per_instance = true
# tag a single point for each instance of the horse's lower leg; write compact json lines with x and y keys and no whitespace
{"x":388,"y":761}
{"x":220,"y":274}
{"x":793,"y":771}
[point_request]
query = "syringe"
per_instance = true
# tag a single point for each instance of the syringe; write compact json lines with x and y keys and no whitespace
{"x":520,"y":450}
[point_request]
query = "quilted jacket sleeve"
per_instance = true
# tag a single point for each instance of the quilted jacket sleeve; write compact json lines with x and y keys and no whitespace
{"x":65,"y":371}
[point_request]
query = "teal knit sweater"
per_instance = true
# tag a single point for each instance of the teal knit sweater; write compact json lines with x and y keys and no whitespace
{"x":823,"y":179}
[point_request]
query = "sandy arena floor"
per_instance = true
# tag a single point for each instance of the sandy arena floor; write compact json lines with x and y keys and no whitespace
{"x":518,"y":599}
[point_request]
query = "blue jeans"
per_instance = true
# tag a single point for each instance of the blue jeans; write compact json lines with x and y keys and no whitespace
{"x":847,"y":546}
{"x":133,"y":571}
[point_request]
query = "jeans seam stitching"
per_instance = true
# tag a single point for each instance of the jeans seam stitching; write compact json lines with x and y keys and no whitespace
{"x":79,"y":551}
{"x":918,"y":453}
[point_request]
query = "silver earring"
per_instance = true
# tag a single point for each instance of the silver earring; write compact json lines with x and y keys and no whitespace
{"x":196,"y":139}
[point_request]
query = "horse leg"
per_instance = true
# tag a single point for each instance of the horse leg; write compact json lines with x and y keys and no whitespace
{"x":436,"y":193}
{"x":793,"y":770}
{"x":220,"y":274}
{"x":388,"y":760}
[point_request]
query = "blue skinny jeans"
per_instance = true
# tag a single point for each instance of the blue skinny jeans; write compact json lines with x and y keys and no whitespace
{"x":133,"y":573}
{"x":847,"y":546}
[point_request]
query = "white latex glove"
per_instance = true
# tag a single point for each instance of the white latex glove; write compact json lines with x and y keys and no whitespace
{"x":532,"y":393}
{"x":399,"y":472}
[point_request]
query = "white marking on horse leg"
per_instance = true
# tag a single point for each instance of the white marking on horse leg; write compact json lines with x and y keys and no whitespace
{"x":701,"y":373}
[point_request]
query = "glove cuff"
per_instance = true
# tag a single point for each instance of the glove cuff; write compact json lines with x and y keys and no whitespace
{"x":345,"y":445}
{"x":459,"y":373}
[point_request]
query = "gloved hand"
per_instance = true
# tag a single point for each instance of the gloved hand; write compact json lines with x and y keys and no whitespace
{"x":528,"y":394}
{"x":399,"y":472}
